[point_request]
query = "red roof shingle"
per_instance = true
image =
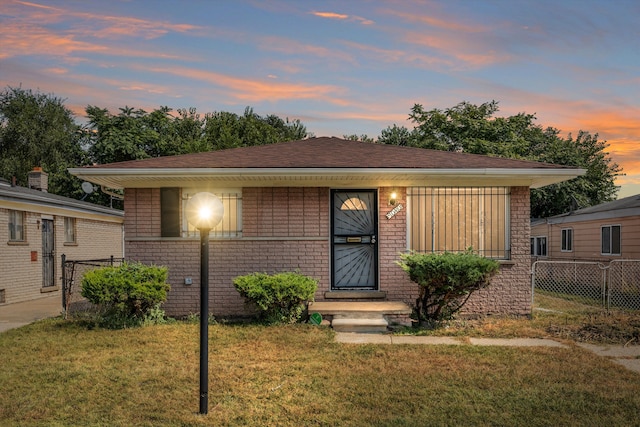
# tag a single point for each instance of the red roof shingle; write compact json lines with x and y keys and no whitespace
{"x":330,"y":152}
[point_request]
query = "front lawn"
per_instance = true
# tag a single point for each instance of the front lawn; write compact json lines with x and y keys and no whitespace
{"x":58,"y":373}
{"x":553,"y":317}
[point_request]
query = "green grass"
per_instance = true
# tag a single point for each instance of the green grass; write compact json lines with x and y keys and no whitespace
{"x":58,"y":373}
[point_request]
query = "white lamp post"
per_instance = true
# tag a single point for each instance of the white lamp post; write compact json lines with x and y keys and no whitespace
{"x":204,"y":211}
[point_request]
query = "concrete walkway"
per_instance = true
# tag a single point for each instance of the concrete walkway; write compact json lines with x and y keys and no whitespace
{"x":22,"y":313}
{"x":629,"y":357}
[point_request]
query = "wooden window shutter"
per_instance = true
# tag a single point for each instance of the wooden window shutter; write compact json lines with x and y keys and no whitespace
{"x":170,"y":212}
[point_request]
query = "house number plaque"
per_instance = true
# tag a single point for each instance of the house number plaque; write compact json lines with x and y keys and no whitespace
{"x":394,"y":211}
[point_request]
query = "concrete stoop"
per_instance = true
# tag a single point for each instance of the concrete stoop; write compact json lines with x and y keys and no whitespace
{"x":359,"y":316}
{"x":370,"y":324}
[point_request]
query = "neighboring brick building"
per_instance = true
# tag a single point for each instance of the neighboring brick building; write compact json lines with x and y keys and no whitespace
{"x":339,"y":211}
{"x":36,"y":228}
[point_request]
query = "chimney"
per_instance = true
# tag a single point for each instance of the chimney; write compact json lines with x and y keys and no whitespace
{"x":38,"y":180}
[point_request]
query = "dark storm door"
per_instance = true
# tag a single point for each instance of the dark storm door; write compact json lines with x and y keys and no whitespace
{"x":48,"y":254}
{"x":354,"y":247}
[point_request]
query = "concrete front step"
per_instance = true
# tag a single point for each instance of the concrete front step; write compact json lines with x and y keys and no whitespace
{"x":341,"y":307}
{"x":360,"y":324}
{"x":359,"y":316}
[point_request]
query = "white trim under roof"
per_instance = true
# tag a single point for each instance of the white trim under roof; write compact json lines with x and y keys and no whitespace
{"x":120,"y":178}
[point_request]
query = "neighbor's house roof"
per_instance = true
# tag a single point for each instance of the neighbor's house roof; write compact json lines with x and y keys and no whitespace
{"x":628,"y":206}
{"x":329,"y":162}
{"x":26,"y":199}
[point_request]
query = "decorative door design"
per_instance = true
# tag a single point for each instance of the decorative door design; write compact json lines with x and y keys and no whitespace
{"x":48,"y":254}
{"x":354,"y":246}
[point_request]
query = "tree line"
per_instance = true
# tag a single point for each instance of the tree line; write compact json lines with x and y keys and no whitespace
{"x":37,"y":129}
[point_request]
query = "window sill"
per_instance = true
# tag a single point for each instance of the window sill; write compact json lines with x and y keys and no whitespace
{"x":17,"y":243}
{"x":70,"y":244}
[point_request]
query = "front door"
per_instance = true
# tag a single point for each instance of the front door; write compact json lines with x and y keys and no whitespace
{"x":354,"y":247}
{"x":48,"y":254}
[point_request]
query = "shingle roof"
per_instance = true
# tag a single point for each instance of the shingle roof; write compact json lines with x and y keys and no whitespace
{"x":625,"y":207}
{"x":325,"y":162}
{"x":16,"y":194}
{"x":330,"y":152}
{"x":629,"y":202}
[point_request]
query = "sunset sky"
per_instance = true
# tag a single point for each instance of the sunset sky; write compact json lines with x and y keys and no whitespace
{"x":341,"y":67}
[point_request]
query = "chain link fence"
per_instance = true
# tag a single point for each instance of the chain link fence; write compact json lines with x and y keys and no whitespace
{"x":623,"y":286}
{"x":72,"y":273}
{"x":591,"y":286}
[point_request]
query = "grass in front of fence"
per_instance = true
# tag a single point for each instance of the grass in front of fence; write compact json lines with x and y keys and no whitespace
{"x":56,"y":372}
{"x":552,"y":317}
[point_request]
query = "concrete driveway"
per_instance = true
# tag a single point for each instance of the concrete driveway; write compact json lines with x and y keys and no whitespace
{"x":23,"y":313}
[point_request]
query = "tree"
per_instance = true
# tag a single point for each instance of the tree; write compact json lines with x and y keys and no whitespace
{"x":229,"y":130}
{"x":136,"y":134}
{"x":398,"y":135}
{"x":37,"y":130}
{"x":361,"y":138}
{"x":130,"y":135}
{"x":475,"y":129}
{"x":595,"y":187}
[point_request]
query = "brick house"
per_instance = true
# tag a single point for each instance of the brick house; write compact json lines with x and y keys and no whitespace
{"x":339,"y":211}
{"x":36,"y":228}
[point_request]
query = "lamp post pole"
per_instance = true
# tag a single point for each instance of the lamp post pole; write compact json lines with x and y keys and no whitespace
{"x":204,"y":320}
{"x":204,"y":211}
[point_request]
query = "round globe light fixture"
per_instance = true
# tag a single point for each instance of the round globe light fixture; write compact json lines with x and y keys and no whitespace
{"x":204,"y":211}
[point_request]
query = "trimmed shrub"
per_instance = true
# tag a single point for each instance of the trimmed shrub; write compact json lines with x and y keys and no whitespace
{"x":280,"y":298}
{"x":446,"y":281}
{"x":128,"y":295}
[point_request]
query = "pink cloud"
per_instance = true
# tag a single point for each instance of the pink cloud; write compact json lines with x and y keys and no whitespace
{"x":330,"y":15}
{"x":28,"y":31}
{"x":446,"y":41}
{"x":460,"y":51}
{"x":344,"y":17}
{"x":19,"y":39}
{"x":434,"y":21}
{"x":56,"y":70}
{"x":96,"y":25}
{"x":294,"y":47}
{"x":251,"y":90}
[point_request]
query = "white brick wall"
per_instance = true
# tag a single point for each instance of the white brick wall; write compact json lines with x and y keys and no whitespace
{"x":21,"y":278}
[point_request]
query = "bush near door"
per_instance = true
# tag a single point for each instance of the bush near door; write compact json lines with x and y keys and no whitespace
{"x":446,"y":281}
{"x":280,"y":298}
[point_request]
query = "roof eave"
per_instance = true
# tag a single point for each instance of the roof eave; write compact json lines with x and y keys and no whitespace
{"x":121,"y":178}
